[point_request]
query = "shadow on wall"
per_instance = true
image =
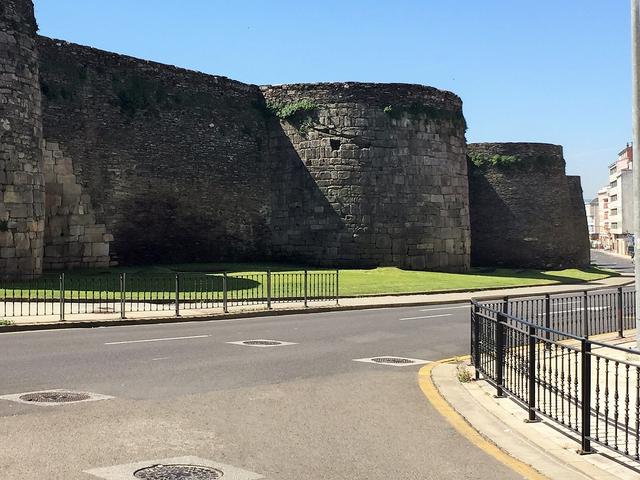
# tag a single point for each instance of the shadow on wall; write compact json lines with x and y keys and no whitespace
{"x":305,"y":226}
{"x":161,"y":227}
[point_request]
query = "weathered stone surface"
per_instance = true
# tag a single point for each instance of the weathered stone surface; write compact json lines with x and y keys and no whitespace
{"x":527,"y":212}
{"x":71,"y":222}
{"x":21,"y":180}
{"x":359,"y":183}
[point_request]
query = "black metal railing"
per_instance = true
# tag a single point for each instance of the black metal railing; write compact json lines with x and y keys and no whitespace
{"x":63,"y":294}
{"x":537,"y":350}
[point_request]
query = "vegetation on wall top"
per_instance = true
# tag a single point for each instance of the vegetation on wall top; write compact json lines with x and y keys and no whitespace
{"x":482,"y":160}
{"x":298,"y":113}
{"x":417,"y":109}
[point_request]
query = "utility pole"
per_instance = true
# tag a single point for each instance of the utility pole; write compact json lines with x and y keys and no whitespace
{"x":635,"y":60}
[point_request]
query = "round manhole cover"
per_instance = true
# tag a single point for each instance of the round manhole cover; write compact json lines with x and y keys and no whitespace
{"x":54,"y":397}
{"x":268,"y":343}
{"x":178,"y":472}
{"x":391,"y":360}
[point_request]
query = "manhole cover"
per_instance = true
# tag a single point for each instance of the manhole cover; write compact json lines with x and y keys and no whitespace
{"x":392,"y":360}
{"x":269,"y":343}
{"x":54,"y":397}
{"x":178,"y":472}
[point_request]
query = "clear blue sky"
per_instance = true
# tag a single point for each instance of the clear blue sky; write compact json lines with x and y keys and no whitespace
{"x":553,"y":71}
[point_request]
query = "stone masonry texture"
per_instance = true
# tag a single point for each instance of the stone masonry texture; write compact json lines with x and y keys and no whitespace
{"x":107,"y":159}
{"x":525,"y":211}
{"x":21,"y":180}
{"x":386,"y":176}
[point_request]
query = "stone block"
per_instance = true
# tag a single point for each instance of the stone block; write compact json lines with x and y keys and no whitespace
{"x":53,"y":251}
{"x":6,"y":239}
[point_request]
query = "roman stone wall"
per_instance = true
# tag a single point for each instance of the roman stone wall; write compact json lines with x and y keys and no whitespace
{"x":171,"y":159}
{"x":72,"y":237}
{"x":373,"y":174}
{"x":524,"y":209}
{"x":21,"y":180}
{"x":577,"y":218}
{"x":149,"y":163}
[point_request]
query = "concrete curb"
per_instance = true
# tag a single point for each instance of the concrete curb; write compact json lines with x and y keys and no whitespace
{"x":500,"y":424}
{"x":298,"y":311}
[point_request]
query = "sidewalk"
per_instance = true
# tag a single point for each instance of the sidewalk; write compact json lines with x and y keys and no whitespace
{"x":110,"y":315}
{"x":548,"y":447}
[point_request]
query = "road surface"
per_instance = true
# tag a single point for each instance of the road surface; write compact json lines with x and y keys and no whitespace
{"x":300,"y":411}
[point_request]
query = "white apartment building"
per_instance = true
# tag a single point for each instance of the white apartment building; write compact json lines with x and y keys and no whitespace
{"x":591,"y":209}
{"x":614,"y":216}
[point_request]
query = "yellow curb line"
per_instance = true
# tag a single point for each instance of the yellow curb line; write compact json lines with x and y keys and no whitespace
{"x":464,"y":428}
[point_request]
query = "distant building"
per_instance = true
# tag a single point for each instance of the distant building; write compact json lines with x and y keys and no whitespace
{"x":613,"y":219}
{"x":592,"y":211}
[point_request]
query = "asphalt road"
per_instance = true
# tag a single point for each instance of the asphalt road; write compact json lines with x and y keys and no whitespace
{"x":620,"y":264}
{"x":301,"y":411}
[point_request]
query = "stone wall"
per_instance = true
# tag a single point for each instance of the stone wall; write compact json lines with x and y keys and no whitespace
{"x":21,"y":180}
{"x":149,"y":163}
{"x":524,"y":209}
{"x":171,"y":159}
{"x":374,"y":174}
{"x":72,"y":237}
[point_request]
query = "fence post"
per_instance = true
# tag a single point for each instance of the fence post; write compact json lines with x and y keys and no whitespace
{"x":505,"y":305}
{"x":547,"y":319}
{"x":585,"y":434}
{"x":225,"y":306}
{"x":337,"y":287}
{"x":475,"y":340}
{"x":619,"y":314}
{"x":62,"y":297}
{"x":585,"y":319}
{"x":533,"y":345}
{"x":123,"y":289}
{"x":499,"y":354}
{"x":306,"y":288}
{"x":177,"y":294}
{"x":269,"y":289}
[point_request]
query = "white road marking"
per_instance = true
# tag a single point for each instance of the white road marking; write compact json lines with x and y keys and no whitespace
{"x":444,"y":308}
{"x":159,"y":358}
{"x":427,"y":316}
{"x":157,"y":340}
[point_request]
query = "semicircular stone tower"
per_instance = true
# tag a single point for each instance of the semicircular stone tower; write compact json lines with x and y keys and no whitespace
{"x":21,"y":178}
{"x":525,"y":211}
{"x":369,"y":174}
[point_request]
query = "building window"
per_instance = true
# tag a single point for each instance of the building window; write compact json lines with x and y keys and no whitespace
{"x":612,"y":170}
{"x":613,"y":184}
{"x":614,"y":211}
{"x":614,"y":198}
{"x":614,"y":225}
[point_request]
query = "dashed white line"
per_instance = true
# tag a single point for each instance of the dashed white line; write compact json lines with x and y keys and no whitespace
{"x":427,"y":316}
{"x":158,"y":340}
{"x":444,"y":308}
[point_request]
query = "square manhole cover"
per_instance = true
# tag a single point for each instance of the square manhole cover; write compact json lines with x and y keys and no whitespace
{"x":53,"y":397}
{"x":263,"y":343}
{"x":180,"y":468}
{"x":392,"y":360}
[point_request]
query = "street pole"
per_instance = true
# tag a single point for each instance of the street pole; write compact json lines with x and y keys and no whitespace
{"x":635,"y":60}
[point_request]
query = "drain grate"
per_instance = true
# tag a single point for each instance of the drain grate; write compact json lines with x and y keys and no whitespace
{"x":178,"y":472}
{"x":392,"y":361}
{"x":264,"y":343}
{"x":54,"y":397}
{"x":397,"y":360}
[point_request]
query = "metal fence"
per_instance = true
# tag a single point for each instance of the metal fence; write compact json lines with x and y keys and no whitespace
{"x":537,"y":350}
{"x":64,"y":294}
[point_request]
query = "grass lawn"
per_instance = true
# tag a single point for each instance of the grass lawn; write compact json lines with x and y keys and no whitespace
{"x":248,"y":280}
